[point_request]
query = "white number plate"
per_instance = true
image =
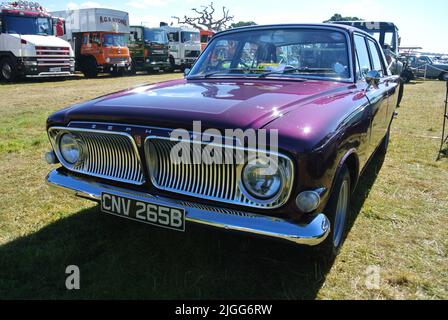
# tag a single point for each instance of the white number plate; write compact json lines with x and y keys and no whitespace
{"x":142,"y":211}
{"x":58,"y":69}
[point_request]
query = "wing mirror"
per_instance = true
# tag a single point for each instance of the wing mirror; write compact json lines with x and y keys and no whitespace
{"x":187,"y":71}
{"x":373,"y":78}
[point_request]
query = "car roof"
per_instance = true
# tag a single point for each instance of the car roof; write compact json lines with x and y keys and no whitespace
{"x":341,"y":27}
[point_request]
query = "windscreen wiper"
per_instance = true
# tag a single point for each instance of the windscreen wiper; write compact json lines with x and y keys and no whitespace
{"x":225,"y":72}
{"x":298,"y":70}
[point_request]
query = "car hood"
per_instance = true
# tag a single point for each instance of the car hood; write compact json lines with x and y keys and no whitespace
{"x":218,"y":104}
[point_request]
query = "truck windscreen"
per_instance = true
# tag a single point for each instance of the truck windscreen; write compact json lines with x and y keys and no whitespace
{"x":114,"y":40}
{"x":190,"y":37}
{"x":157,"y":36}
{"x":27,"y":25}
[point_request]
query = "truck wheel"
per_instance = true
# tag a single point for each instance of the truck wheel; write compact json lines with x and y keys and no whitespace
{"x":406,"y":76}
{"x":442,"y":76}
{"x":338,"y":212}
{"x":133,"y":70}
{"x":118,"y":73}
{"x":8,"y":70}
{"x":89,"y":67}
{"x":173,"y":64}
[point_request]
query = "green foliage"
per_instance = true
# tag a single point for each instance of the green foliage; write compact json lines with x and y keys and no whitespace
{"x":339,"y":17}
{"x":242,"y":24}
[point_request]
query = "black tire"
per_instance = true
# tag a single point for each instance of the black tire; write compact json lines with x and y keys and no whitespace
{"x":89,"y":67}
{"x":118,"y":73}
{"x":382,"y":149}
{"x":407,"y":76}
{"x":8,"y":70}
{"x":133,"y":70}
{"x":338,"y":212}
{"x":442,"y":76}
{"x":173,"y":64}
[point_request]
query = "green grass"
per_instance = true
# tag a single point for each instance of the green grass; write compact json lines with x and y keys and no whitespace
{"x":400,"y":210}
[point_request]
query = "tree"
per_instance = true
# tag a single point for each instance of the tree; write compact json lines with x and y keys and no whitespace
{"x":205,"y":18}
{"x":242,"y":24}
{"x":339,"y":17}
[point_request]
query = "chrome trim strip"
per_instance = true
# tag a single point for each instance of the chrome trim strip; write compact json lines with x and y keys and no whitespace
{"x":203,"y":178}
{"x":311,"y":234}
{"x":128,"y":168}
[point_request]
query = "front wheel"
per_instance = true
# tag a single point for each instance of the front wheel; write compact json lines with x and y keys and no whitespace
{"x":338,"y":212}
{"x":8,"y":70}
{"x":442,"y":76}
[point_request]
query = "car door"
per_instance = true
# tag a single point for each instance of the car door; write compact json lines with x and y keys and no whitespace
{"x":377,"y":94}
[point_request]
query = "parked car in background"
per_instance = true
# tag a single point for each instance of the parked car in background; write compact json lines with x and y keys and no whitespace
{"x":322,"y":90}
{"x":149,"y":49}
{"x":28,"y":45}
{"x":206,"y":36}
{"x":425,"y":66}
{"x":99,"y":37}
{"x":185,"y":46}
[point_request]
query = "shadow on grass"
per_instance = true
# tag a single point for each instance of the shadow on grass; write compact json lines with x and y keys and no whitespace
{"x":123,"y":259}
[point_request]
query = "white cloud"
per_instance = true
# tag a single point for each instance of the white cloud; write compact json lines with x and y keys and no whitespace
{"x":84,"y":5}
{"x":143,"y":4}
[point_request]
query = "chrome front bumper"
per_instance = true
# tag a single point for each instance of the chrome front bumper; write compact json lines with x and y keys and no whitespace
{"x":310,"y":234}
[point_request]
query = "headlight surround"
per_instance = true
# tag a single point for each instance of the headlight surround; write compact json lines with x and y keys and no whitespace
{"x":263,"y":179}
{"x":70,"y":148}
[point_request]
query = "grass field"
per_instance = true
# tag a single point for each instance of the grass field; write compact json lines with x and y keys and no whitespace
{"x":400,"y":226}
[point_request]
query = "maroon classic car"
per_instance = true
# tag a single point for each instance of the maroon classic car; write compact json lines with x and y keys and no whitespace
{"x":321,"y":93}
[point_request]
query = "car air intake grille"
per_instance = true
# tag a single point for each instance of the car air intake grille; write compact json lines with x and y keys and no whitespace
{"x":104,"y":154}
{"x":217,"y":182}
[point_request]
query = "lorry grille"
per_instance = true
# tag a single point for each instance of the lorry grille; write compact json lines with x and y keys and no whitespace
{"x":217,"y":182}
{"x":105,"y":154}
{"x":53,"y":56}
{"x":192,"y":53}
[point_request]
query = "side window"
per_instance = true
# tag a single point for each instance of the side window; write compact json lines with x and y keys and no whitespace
{"x":362,"y":55}
{"x":376,"y":60}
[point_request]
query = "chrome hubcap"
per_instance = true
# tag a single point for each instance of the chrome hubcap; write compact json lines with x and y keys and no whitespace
{"x":341,"y":214}
{"x":6,"y":71}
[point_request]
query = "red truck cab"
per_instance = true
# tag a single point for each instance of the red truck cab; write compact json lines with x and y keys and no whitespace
{"x":206,"y":35}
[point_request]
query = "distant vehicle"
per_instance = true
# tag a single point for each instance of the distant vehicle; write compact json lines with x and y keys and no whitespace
{"x":28,"y":47}
{"x":149,"y":49}
{"x":427,"y":67}
{"x":185,"y":46}
{"x":206,"y":36}
{"x":98,"y":37}
{"x":387,"y":35}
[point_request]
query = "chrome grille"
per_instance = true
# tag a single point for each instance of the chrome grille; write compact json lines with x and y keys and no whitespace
{"x":217,"y":182}
{"x":53,"y":56}
{"x":107,"y":155}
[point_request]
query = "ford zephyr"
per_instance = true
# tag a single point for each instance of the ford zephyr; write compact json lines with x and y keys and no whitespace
{"x":162,"y":154}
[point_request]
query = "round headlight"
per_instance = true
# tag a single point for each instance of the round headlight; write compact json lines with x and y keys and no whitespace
{"x":261,"y":180}
{"x":70,"y":148}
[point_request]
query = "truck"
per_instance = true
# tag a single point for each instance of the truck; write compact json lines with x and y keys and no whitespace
{"x":206,"y":36}
{"x":387,"y":34}
{"x":149,"y":49}
{"x":28,"y":45}
{"x":185,"y":45}
{"x":98,"y":36}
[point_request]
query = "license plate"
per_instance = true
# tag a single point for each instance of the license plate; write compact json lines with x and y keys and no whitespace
{"x":142,"y":211}
{"x":156,"y":68}
{"x":59,"y":69}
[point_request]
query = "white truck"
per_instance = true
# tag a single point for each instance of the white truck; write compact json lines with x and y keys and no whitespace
{"x":99,"y":38}
{"x":185,"y":45}
{"x":28,"y":45}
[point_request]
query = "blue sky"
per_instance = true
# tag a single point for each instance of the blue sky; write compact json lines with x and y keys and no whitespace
{"x":421,"y":23}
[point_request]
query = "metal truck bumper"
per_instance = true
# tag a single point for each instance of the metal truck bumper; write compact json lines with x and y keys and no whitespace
{"x":310,"y":234}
